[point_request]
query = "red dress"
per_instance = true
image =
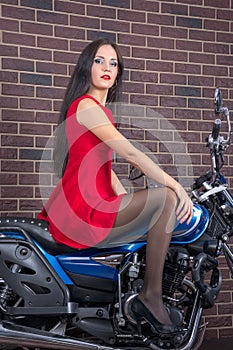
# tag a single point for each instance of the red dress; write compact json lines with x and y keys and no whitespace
{"x":82,"y":209}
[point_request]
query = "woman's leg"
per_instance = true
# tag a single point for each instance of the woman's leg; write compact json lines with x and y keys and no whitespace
{"x":153,"y":210}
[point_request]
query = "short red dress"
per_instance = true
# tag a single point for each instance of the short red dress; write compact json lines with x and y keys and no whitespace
{"x":82,"y":208}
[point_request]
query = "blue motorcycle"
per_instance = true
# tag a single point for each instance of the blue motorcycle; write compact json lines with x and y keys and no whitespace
{"x":56,"y":297}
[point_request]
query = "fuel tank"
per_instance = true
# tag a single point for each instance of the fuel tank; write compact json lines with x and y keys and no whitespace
{"x":188,"y":233}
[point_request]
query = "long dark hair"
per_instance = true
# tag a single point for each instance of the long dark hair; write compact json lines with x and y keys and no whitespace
{"x":79,"y":84}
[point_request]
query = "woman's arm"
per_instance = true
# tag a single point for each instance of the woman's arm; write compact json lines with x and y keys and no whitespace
{"x":117,"y":186}
{"x":93,"y":118}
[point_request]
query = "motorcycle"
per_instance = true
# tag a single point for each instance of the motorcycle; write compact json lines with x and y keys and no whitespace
{"x":56,"y":297}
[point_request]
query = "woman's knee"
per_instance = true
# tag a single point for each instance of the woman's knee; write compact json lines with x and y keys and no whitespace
{"x":171,"y":200}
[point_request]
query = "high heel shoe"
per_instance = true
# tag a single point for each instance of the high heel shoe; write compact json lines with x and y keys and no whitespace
{"x":141,"y":312}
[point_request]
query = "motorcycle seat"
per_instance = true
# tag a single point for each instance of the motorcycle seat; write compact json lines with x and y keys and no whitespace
{"x":37,"y":229}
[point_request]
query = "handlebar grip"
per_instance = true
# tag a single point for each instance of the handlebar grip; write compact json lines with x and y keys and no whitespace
{"x":216,"y":129}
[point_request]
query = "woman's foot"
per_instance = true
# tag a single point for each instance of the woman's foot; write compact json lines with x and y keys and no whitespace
{"x":142,"y":312}
{"x":158,"y":310}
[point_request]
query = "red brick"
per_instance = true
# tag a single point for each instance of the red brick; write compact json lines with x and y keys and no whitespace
{"x":159,"y":66}
{"x":65,"y":57}
{"x":17,"y":90}
{"x":84,"y":21}
{"x":35,"y":129}
{"x":8,"y":179}
{"x":37,"y":28}
{"x":128,"y":38}
{"x":175,"y":9}
{"x":18,"y":115}
{"x":52,"y":17}
{"x":14,"y":140}
{"x":103,"y":12}
{"x":200,"y":81}
{"x":216,"y":48}
{"x":42,"y":141}
{"x":8,"y":102}
{"x":69,"y":33}
{"x":69,"y":7}
{"x":225,"y":37}
{"x":225,"y":60}
{"x":150,"y":6}
{"x":188,"y":114}
{"x":117,"y":3}
{"x":187,"y":68}
{"x":161,"y":43}
{"x":206,"y":12}
{"x":202,"y":35}
{"x":144,"y":77}
{"x":143,"y":100}
{"x":135,"y":16}
{"x":159,"y":89}
{"x":134,"y":64}
{"x":30,"y":205}
{"x":216,"y":25}
{"x":36,"y":54}
{"x":17,"y":12}
{"x":173,"y":32}
{"x":134,"y":87}
{"x":161,"y":19}
{"x":17,"y":64}
{"x":7,"y":205}
{"x":18,"y":39}
{"x":202,"y":58}
{"x":9,"y":25}
{"x":216,"y":3}
{"x":8,"y":153}
{"x":168,"y":55}
{"x":61,"y":81}
{"x":42,"y":4}
{"x":47,"y":92}
{"x":172,"y":79}
{"x":172,"y":101}
{"x":189,"y":45}
{"x":35,"y":179}
{"x":52,"y":43}
{"x":115,"y":25}
{"x":8,"y":76}
{"x":45,"y":117}
{"x":16,"y":192}
{"x":17,"y":166}
{"x":10,"y":128}
{"x":226,"y":15}
{"x":150,"y":29}
{"x":35,"y":103}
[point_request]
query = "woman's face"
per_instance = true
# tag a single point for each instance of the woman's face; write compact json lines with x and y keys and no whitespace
{"x":105,"y":68}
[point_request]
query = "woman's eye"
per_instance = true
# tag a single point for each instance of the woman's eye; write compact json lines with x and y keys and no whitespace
{"x":98,"y":60}
{"x":114,"y":63}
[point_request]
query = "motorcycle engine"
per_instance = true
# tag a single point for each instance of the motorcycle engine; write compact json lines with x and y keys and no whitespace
{"x":175,"y":269}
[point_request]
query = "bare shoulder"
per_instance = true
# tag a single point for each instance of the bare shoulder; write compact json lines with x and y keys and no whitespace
{"x":90,"y":114}
{"x":87,"y":103}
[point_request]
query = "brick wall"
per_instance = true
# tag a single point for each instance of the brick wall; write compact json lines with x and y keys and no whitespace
{"x":176,"y":53}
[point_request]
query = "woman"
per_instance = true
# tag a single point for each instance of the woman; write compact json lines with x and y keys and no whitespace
{"x":89,"y":206}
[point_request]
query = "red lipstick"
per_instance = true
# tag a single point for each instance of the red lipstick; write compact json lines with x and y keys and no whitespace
{"x":106,"y":77}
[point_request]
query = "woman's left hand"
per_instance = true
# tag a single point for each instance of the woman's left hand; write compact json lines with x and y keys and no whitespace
{"x":184,"y":210}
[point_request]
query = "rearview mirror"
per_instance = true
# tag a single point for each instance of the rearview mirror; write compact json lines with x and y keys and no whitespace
{"x":218,"y":101}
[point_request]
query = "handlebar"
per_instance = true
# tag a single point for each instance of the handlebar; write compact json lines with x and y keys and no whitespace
{"x":217,"y":145}
{"x":216,"y":129}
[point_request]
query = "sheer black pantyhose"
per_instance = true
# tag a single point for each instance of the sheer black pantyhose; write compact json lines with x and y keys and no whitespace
{"x":149,"y":211}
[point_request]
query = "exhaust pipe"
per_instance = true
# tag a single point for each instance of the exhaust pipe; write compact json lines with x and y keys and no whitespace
{"x":11,"y":334}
